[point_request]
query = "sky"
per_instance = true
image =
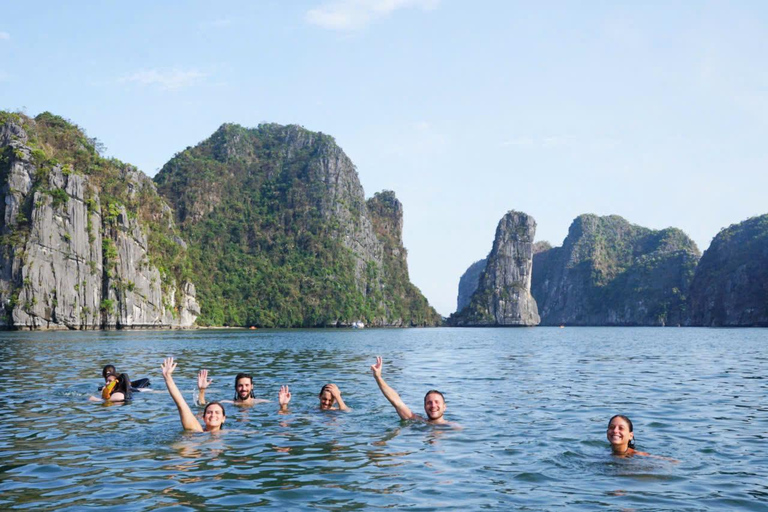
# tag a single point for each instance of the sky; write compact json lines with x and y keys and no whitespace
{"x":655,"y":111}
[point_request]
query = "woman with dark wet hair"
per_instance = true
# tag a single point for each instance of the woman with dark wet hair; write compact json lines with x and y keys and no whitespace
{"x":213,"y":414}
{"x":621,"y":435}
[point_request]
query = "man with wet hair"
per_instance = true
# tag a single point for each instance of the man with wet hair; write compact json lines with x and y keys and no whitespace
{"x":244,"y":394}
{"x":434,"y":401}
{"x":244,"y":388}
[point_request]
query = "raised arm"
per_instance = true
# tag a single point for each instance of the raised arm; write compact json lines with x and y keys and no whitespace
{"x":202,"y":384}
{"x":188,"y":420}
{"x":390,"y":394}
{"x":284,"y":398}
{"x":336,"y":394}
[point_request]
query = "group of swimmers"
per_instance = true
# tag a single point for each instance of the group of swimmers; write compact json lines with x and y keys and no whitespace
{"x":118,"y":387}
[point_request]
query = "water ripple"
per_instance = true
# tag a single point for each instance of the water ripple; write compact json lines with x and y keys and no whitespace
{"x":532,"y":404}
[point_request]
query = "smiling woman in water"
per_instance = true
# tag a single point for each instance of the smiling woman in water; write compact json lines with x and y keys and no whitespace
{"x":213,"y":414}
{"x":621,"y":435}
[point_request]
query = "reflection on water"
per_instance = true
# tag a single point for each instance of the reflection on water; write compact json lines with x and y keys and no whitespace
{"x":532,"y":404}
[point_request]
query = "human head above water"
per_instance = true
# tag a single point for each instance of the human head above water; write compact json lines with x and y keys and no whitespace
{"x":434,"y":391}
{"x":326,"y":397}
{"x":214,"y":415}
{"x":434,"y":404}
{"x":110,"y":368}
{"x":243,"y":386}
{"x":624,"y":433}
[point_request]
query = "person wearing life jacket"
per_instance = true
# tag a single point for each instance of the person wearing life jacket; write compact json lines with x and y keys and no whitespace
{"x":116,"y":389}
{"x":136,"y":385}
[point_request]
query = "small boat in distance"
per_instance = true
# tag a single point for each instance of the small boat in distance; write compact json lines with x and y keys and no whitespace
{"x":358,"y":325}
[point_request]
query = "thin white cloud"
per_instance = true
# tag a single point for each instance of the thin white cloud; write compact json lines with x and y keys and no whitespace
{"x":168,"y":79}
{"x":349,"y":15}
{"x":4,"y":36}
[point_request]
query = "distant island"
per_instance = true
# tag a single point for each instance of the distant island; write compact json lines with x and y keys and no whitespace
{"x":270,"y":227}
{"x":609,"y":272}
{"x":265,"y":227}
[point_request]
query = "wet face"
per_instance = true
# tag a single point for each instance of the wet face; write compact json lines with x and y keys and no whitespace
{"x":244,"y":387}
{"x":434,"y":406}
{"x":110,"y":378}
{"x":619,"y":435}
{"x":214,"y":417}
{"x":326,"y":400}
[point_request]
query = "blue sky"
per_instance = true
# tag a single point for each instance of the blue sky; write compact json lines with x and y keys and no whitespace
{"x":657,"y":112}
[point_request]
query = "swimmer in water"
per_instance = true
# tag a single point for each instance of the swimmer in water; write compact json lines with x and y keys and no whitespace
{"x":117,"y":388}
{"x":621,"y":435}
{"x":330,"y":397}
{"x":213,"y":414}
{"x":244,"y":394}
{"x":136,"y":385}
{"x":434,"y":401}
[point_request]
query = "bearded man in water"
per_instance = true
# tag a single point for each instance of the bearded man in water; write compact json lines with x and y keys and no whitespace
{"x":244,"y":394}
{"x":434,"y":401}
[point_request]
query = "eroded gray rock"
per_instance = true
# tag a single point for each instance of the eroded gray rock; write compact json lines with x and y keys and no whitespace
{"x":55,"y":275}
{"x":503,"y":295}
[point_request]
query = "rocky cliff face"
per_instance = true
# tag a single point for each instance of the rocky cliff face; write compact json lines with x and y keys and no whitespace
{"x":403,"y":300}
{"x":470,"y":280}
{"x":70,"y":258}
{"x":730,"y":287}
{"x":468,"y":283}
{"x":611,"y":272}
{"x":281,"y":234}
{"x":503,"y":297}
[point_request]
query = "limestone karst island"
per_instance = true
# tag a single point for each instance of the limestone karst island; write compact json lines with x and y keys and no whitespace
{"x":270,"y":227}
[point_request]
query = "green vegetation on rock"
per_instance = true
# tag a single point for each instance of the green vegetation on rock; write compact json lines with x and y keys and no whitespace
{"x":730,"y":287}
{"x":79,"y":213}
{"x":280,"y":236}
{"x":611,"y":272}
{"x":403,"y":300}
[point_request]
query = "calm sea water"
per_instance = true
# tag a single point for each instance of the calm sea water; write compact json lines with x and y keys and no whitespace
{"x":533,"y":405}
